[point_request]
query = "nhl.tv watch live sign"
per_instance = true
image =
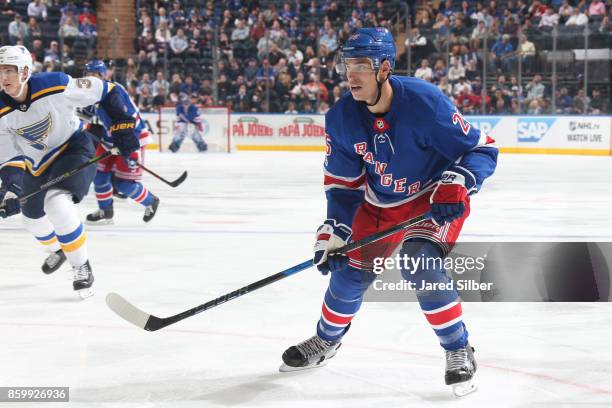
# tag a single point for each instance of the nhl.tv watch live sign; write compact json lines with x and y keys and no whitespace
{"x":548,"y":134}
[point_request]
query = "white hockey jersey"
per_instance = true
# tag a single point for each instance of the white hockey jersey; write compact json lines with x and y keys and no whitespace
{"x":34,"y":133}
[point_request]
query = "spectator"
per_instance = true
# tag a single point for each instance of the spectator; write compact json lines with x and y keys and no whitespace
{"x":582,"y":103}
{"x":18,"y":30}
{"x":69,"y":28}
{"x":179,"y":43}
{"x":424,"y":72}
{"x":460,"y":86}
{"x":87,"y":12}
{"x":177,"y":15}
{"x":535,"y":90}
{"x":549,"y":19}
{"x":604,"y":27}
{"x":145,"y":99}
{"x":445,"y":87}
{"x":37,"y":50}
{"x":144,"y":81}
{"x":502,"y":54}
{"x":291,"y":108}
{"x":87,"y":29}
{"x":53,"y":51}
{"x":417,"y":44}
{"x":577,"y":18}
{"x":241,"y":102}
{"x":38,"y":10}
{"x":565,"y":11}
{"x":160,"y":99}
{"x":526,"y":51}
{"x":189,"y":86}
{"x":161,"y":17}
{"x":241,"y":32}
{"x":597,"y":8}
{"x":330,"y":40}
{"x":34,"y":30}
{"x":467,"y":101}
{"x":599,"y":104}
{"x":456,"y":71}
{"x":162,"y":35}
{"x":275,"y":55}
{"x":439,"y":70}
{"x":564,"y":101}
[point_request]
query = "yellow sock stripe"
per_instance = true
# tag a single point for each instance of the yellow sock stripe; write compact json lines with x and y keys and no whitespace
{"x":49,"y":241}
{"x":74,"y":245}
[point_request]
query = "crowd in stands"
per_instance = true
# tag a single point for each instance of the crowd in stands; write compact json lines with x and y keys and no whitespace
{"x":50,"y":29}
{"x":278,"y":56}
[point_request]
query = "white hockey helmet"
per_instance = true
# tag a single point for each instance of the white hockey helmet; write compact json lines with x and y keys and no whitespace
{"x":16,"y":55}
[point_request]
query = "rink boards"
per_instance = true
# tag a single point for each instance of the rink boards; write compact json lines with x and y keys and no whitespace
{"x":580,"y":135}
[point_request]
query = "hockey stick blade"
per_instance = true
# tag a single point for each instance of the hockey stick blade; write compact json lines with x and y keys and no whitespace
{"x":179,"y":180}
{"x":131,"y":313}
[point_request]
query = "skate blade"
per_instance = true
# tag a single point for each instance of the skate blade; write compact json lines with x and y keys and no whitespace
{"x":85,"y":293}
{"x":464,"y":388}
{"x":284,"y":368}
{"x":101,"y":222}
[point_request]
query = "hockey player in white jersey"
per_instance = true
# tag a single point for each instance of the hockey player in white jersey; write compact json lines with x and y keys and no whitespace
{"x":42,"y":138}
{"x":188,"y":123}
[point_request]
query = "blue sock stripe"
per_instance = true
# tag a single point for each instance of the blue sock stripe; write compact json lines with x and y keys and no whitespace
{"x":74,"y":235}
{"x":47,"y":237}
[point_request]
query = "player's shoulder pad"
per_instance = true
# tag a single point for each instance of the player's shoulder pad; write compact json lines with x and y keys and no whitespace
{"x":420,"y":96}
{"x":344,"y":109}
{"x":47,"y":83}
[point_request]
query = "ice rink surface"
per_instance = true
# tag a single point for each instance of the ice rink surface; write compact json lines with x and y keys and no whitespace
{"x":244,"y":216}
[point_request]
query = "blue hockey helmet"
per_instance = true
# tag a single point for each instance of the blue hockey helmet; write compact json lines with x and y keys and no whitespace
{"x":96,"y":65}
{"x":377,"y":44}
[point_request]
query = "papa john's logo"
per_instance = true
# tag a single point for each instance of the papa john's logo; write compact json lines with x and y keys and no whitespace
{"x":36,"y":133}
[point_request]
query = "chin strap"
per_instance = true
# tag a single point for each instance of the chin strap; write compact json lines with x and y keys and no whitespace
{"x":379,"y":84}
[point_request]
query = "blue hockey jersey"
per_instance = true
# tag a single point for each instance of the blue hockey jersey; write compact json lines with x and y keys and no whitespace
{"x":119,"y":104}
{"x":187,"y":114}
{"x":391,"y":159}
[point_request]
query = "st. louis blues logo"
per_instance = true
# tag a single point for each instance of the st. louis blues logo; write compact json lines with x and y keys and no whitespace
{"x":36,"y":133}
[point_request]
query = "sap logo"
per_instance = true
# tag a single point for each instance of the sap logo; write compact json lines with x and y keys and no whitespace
{"x":484,"y":123}
{"x":533,"y":129}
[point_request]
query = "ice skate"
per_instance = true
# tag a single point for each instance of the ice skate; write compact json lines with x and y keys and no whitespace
{"x":151,"y":210}
{"x":53,"y":262}
{"x":311,"y":353}
{"x":83,"y":280}
{"x":460,"y":369}
{"x":100,"y":217}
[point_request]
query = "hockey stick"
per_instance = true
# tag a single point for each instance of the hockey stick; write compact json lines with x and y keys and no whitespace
{"x":64,"y":176}
{"x":149,"y":322}
{"x":173,"y":184}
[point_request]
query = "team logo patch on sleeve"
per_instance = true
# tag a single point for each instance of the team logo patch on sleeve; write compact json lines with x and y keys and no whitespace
{"x":36,"y":133}
{"x":83,"y":83}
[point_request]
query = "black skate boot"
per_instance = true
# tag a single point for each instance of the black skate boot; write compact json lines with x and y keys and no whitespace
{"x":173,"y":147}
{"x":82,"y":280}
{"x":100,"y":217}
{"x":311,"y":353}
{"x":202,"y":147}
{"x":151,"y":210}
{"x":460,"y":369}
{"x":53,"y":262}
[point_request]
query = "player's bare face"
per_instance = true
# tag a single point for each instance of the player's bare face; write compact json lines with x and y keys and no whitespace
{"x":9,"y":78}
{"x":361,"y":77}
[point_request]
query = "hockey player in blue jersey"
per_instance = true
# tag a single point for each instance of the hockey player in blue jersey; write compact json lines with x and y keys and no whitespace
{"x":41,"y":138}
{"x":396,"y":148}
{"x":127,"y":174}
{"x":188,"y":123}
